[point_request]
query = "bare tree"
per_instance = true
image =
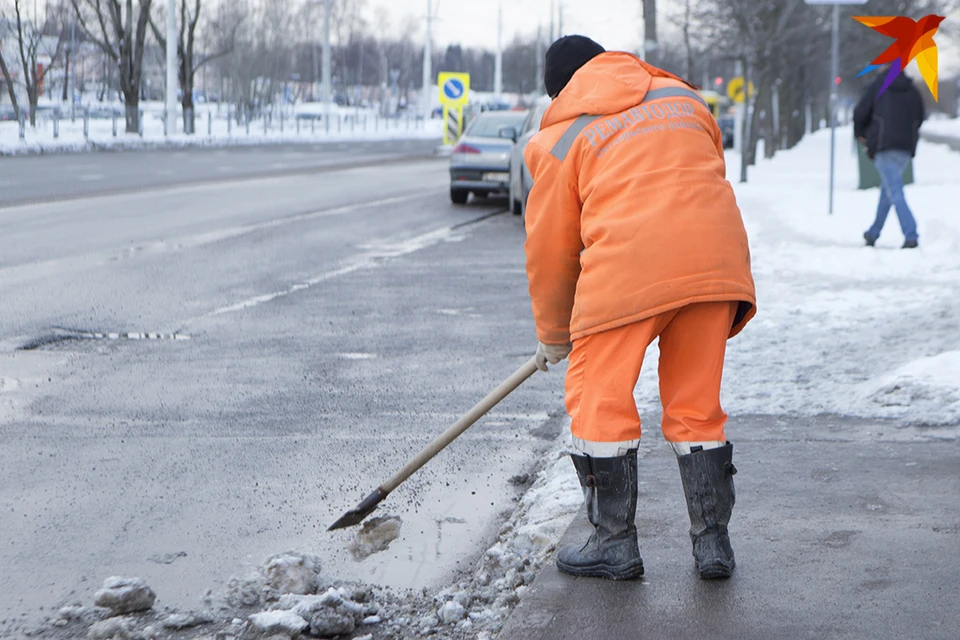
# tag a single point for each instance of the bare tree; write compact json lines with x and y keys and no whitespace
{"x":34,"y":43}
{"x":348,"y":25}
{"x":120,"y":30}
{"x":188,"y":60}
{"x":263,"y":59}
{"x":8,"y":80}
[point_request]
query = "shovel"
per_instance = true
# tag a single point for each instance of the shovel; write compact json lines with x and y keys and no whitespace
{"x":368,"y":504}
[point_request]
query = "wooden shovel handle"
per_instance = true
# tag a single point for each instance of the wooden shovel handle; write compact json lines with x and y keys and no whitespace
{"x":461,"y":425}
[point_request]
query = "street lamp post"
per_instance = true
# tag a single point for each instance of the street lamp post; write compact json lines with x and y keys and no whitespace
{"x":427,"y":63}
{"x":171,"y":67}
{"x":326,"y":64}
{"x":834,"y":72}
{"x":498,"y":61}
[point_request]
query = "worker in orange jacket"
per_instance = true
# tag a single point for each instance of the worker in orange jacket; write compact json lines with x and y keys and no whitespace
{"x":633,"y":233}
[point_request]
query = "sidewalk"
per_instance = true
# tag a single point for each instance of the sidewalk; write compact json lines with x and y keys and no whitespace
{"x":844,"y":528}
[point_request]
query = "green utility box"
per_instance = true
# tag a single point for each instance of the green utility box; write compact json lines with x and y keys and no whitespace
{"x":868,"y":172}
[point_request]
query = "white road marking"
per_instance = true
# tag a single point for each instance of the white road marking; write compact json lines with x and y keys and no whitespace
{"x":47,"y":268}
{"x":366,"y":260}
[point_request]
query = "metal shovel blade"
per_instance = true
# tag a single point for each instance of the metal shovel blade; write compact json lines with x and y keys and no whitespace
{"x":356,"y":516}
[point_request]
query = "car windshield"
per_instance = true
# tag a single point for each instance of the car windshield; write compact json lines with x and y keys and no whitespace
{"x":488,"y":126}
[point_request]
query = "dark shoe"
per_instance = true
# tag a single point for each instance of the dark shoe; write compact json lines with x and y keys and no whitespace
{"x":708,"y":486}
{"x":870,"y":239}
{"x":909,"y":244}
{"x":610,"y":494}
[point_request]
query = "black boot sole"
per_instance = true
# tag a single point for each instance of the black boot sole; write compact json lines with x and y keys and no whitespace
{"x":628,"y":571}
{"x":715,"y":571}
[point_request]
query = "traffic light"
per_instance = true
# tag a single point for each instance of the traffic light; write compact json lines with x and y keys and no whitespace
{"x":718,"y":81}
{"x":836,"y":81}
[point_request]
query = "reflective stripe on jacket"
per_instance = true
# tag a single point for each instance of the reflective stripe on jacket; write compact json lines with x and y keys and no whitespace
{"x":630,"y":213}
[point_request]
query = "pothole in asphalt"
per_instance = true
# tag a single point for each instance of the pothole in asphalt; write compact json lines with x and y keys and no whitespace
{"x":59,"y":335}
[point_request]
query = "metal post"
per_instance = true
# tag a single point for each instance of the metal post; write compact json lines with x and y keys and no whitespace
{"x":834,"y":72}
{"x":281,"y":120}
{"x":498,"y":60}
{"x":139,"y":122}
{"x":209,"y":123}
{"x":71,"y":74}
{"x":427,"y":64}
{"x":738,"y":142}
{"x":171,"y":114}
{"x":229,"y":117}
{"x":114,"y":114}
{"x":86,"y":122}
{"x":23,"y":125}
{"x":775,"y":115}
{"x":326,"y":63}
{"x":298,"y":125}
{"x":56,"y":124}
{"x":539,"y":60}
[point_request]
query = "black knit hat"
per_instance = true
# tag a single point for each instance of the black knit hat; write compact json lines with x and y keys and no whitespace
{"x":564,"y":57}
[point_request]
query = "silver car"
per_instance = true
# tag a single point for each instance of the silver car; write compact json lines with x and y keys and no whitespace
{"x":480,"y":162}
{"x":520,"y":179}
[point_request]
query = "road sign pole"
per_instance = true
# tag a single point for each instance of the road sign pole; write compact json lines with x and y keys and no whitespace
{"x":834,"y":73}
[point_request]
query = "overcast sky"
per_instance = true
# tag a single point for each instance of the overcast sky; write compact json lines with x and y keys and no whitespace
{"x":615,"y":24}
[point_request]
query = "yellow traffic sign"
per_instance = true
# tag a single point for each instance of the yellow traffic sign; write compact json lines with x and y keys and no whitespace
{"x":454,"y":88}
{"x":735,"y":89}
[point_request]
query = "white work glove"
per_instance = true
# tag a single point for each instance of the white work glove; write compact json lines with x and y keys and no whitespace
{"x":552,"y":353}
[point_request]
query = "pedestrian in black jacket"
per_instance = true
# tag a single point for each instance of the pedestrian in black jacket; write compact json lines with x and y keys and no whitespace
{"x":889,"y":126}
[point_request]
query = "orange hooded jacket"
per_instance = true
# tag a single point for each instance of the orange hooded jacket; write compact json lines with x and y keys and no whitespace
{"x":630,"y":214}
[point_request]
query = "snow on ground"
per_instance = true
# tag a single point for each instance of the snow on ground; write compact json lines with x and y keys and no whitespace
{"x":212,"y":129}
{"x":837,"y":318}
{"x":843,"y":328}
{"x":943,"y":126}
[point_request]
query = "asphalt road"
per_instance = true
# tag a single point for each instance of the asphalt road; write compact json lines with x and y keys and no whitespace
{"x":66,"y":176}
{"x":313,"y":330}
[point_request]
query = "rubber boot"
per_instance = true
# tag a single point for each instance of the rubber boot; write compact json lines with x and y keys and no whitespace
{"x":708,"y":485}
{"x":610,"y":493}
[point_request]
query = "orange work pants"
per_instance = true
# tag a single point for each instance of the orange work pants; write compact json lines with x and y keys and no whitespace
{"x":604,"y":369}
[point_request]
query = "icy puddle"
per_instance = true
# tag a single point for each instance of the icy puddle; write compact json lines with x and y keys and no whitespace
{"x":424,"y":535}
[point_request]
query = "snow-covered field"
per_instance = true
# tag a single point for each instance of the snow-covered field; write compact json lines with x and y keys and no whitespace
{"x":212,"y":129}
{"x":943,"y":126}
{"x":842,"y":328}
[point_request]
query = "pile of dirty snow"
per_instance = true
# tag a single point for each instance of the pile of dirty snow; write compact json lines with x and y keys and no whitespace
{"x":288,"y":596}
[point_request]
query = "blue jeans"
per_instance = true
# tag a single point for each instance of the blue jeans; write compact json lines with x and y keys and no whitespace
{"x":890,"y":165}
